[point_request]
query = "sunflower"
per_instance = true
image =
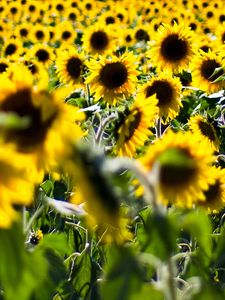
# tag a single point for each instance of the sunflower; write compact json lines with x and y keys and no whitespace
{"x":168,"y":92}
{"x":70,"y":66}
{"x":98,"y":39}
{"x":202,"y":68}
{"x":49,"y":123}
{"x":134,"y":130}
{"x":15,"y":188}
{"x":65,"y":32}
{"x":215,"y":194}
{"x":182,"y":163}
{"x":172,"y":49}
{"x":112,"y":78}
{"x":204,"y":129}
{"x":4,"y":64}
{"x":22,"y":31}
{"x":39,"y":34}
{"x":12,"y":48}
{"x":142,"y":33}
{"x":42,"y":53}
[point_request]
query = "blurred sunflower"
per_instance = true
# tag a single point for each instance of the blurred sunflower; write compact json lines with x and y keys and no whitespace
{"x":112,"y":78}
{"x":65,"y":32}
{"x":4,"y":64}
{"x":15,"y":188}
{"x":39,"y":33}
{"x":70,"y":66}
{"x":98,"y":39}
{"x":182,"y":163}
{"x":42,"y":53}
{"x":22,"y":31}
{"x":133,"y":130}
{"x":168,"y":93}
{"x":202,"y":68}
{"x":49,"y":123}
{"x":12,"y":48}
{"x":173,"y":48}
{"x":204,"y":129}
{"x":215,"y":194}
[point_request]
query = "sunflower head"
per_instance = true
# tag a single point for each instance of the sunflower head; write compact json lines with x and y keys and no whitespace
{"x":113,"y":78}
{"x":181,"y":163}
{"x":172,"y":49}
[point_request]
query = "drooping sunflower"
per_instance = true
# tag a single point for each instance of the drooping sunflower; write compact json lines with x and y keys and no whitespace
{"x":173,"y":48}
{"x":98,"y":40}
{"x":202,"y":68}
{"x":49,"y":124}
{"x":70,"y":66}
{"x":215,"y":194}
{"x":134,"y":129}
{"x":168,"y":92}
{"x":182,"y":164}
{"x":204,"y":129}
{"x":15,"y":188}
{"x":112,"y":78}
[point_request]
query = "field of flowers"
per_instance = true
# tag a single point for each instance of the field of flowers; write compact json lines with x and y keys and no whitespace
{"x":112,"y":156}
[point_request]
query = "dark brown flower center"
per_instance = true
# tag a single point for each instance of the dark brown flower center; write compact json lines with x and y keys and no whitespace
{"x":74,"y":67}
{"x":32,"y":8}
{"x":113,"y":75}
{"x":10,"y":49}
{"x":72,"y":16}
{"x":163,"y":90}
{"x":21,"y":104}
{"x":133,"y":125}
{"x":213,"y":192}
{"x":42,"y":55}
{"x":110,"y":20}
{"x":207,"y":69}
{"x":173,"y":48}
{"x":13,"y":10}
{"x":39,"y":34}
{"x":142,"y":35}
{"x":3,"y":67}
{"x":23,"y":32}
{"x":59,"y":7}
{"x":178,"y":172}
{"x":66,"y":35}
{"x":99,"y":40}
{"x":207,"y":130}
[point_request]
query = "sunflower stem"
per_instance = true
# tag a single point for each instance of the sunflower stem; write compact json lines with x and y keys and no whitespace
{"x":171,"y":282}
{"x":103,"y":124}
{"x":158,"y":128}
{"x":88,"y":95}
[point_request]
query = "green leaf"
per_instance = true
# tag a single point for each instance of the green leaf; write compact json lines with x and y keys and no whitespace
{"x":146,"y":291}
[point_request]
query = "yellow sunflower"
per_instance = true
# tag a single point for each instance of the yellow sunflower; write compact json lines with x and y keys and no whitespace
{"x":4,"y":64}
{"x":98,"y":39}
{"x":215,"y":194}
{"x":172,"y":48}
{"x":202,"y":68}
{"x":15,"y":188}
{"x":42,"y":53}
{"x":134,"y":130}
{"x":70,"y":66}
{"x":12,"y":48}
{"x":182,"y":165}
{"x":39,"y":33}
{"x":204,"y":129}
{"x":112,"y":78}
{"x":168,"y":92}
{"x":50,"y":125}
{"x":65,"y":32}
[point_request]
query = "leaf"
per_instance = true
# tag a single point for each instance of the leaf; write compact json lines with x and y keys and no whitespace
{"x":146,"y":291}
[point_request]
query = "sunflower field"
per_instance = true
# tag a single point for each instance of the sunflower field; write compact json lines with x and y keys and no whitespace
{"x":112,"y":156}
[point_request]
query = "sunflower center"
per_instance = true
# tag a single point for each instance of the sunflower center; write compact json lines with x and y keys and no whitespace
{"x":223,"y":37}
{"x":207,"y":130}
{"x":213,"y":192}
{"x":222,"y":18}
{"x":42,"y":55}
{"x":73,"y":67}
{"x":128,"y":38}
{"x":59,"y":7}
{"x":133,"y":125}
{"x":205,"y":48}
{"x":3,"y":67}
{"x":32,"y":8}
{"x":23,"y":32}
{"x":72,"y":16}
{"x":141,"y":35}
{"x":176,"y":168}
{"x":110,"y":20}
{"x":29,"y":137}
{"x":39,"y":34}
{"x":66,"y":34}
{"x":173,"y":48}
{"x":207,"y":69}
{"x":163,"y":91}
{"x":10,"y":49}
{"x":113,"y":75}
{"x":99,"y":40}
{"x":13,"y":10}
